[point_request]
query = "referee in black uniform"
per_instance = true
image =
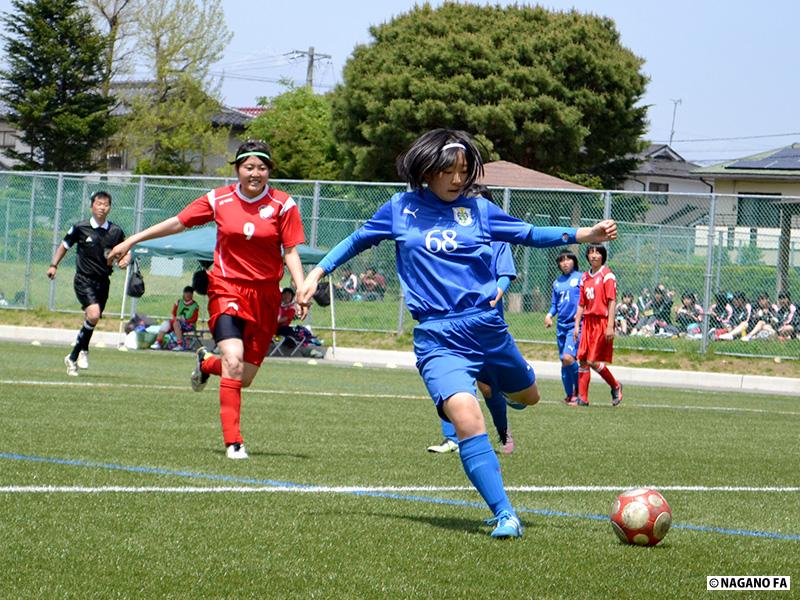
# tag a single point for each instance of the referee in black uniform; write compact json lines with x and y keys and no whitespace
{"x":94,"y":239}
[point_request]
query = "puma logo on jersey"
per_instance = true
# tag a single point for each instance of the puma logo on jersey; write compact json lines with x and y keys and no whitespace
{"x":88,"y":238}
{"x":408,"y":211}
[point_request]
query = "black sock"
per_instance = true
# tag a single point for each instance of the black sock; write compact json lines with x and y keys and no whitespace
{"x":82,"y":341}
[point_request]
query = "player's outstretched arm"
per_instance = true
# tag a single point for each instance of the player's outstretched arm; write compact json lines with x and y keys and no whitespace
{"x":166,"y":227}
{"x":604,"y":231}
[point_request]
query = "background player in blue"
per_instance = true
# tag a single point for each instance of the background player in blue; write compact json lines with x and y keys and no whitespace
{"x":443,"y":255}
{"x":564,"y":305}
{"x":504,"y":270}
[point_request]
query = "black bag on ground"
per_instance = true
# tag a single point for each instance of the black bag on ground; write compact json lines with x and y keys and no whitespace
{"x":136,"y":281}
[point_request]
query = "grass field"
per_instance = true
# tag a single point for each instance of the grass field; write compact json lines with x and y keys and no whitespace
{"x":115,"y":485}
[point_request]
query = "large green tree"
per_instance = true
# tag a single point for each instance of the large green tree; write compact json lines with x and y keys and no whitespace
{"x":52,"y":85}
{"x":297,"y":125}
{"x":169,"y":127}
{"x":553,"y":91}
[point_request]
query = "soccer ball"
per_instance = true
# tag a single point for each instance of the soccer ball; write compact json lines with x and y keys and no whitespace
{"x":641,"y":516}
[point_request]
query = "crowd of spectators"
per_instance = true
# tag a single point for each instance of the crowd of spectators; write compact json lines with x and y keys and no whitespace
{"x":368,"y":286}
{"x":731,"y":316}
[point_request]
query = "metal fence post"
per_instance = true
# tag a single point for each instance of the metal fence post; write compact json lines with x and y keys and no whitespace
{"x":507,"y":200}
{"x":138,"y":217}
{"x":8,"y":224}
{"x":51,"y":300}
{"x":606,"y":205}
{"x":29,"y":251}
{"x":657,"y":272}
{"x":315,"y":215}
{"x":709,"y":275}
{"x":400,"y":313}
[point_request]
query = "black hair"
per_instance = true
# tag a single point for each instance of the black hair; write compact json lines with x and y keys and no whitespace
{"x":688,"y":294}
{"x":259,"y":146}
{"x":600,"y":248}
{"x":763,"y":296}
{"x":569,"y":254}
{"x":627,"y":294}
{"x":100,"y":194}
{"x":428,"y":156}
{"x":721,"y":298}
{"x":188,"y":288}
{"x":478,"y":189}
{"x":740,"y":296}
{"x":786,"y":295}
{"x":288,"y":289}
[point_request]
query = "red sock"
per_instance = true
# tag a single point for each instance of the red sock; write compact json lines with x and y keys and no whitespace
{"x":603,"y":371}
{"x":230,"y":404}
{"x":212,"y":366}
{"x":584,"y":375}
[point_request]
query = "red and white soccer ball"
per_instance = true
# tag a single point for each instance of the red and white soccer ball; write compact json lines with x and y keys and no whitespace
{"x":641,"y":516}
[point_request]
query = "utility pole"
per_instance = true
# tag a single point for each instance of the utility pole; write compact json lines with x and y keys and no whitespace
{"x":674,"y":112}
{"x":312,"y":56}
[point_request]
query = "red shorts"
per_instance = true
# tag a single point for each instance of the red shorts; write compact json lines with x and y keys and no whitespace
{"x":256,"y":303}
{"x":594,"y":346}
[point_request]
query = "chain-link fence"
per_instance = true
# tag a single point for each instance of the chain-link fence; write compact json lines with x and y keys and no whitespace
{"x":693,"y":270}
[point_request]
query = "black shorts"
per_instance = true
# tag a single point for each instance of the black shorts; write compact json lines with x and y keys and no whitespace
{"x":91,"y":291}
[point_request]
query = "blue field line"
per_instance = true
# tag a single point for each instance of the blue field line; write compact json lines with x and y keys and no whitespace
{"x":386,"y":495}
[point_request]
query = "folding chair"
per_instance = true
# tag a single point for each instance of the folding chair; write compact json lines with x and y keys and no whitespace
{"x":279,"y":341}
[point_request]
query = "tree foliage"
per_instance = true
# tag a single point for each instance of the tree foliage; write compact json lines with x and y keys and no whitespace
{"x":298,"y":127}
{"x":169,"y":129}
{"x":553,"y":91}
{"x":52,"y":85}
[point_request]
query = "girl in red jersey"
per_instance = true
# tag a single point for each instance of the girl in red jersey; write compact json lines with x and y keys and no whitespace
{"x":258,"y":229}
{"x":597,"y":306}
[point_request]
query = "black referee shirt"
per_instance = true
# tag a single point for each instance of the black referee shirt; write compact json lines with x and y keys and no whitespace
{"x":93,"y":246}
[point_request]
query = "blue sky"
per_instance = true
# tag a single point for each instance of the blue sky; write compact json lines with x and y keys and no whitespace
{"x":732,"y":64}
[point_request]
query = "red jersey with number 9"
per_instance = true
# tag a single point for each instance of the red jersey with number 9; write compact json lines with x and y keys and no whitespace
{"x":597,"y":289}
{"x":250,"y":231}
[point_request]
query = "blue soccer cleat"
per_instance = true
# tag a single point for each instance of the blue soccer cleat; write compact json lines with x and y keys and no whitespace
{"x":508,"y":526}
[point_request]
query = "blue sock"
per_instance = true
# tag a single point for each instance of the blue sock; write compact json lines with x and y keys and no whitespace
{"x":574,"y":378}
{"x":499,"y":411}
{"x":566,"y":380}
{"x":483,"y":469}
{"x":449,"y":431}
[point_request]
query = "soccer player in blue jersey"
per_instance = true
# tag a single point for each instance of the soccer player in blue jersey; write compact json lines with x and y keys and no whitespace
{"x":443,"y":255}
{"x":504,"y":270}
{"x":564,"y":305}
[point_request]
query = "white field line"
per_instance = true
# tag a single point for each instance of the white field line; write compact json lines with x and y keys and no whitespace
{"x":178,"y":388}
{"x":50,"y":489}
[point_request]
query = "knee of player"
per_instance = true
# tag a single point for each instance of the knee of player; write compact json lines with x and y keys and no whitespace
{"x":233,"y":365}
{"x":567,"y":360}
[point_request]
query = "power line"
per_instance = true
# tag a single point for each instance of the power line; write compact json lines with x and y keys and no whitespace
{"x":731,"y":139}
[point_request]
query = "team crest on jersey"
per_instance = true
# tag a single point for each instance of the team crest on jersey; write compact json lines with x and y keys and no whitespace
{"x":265,"y":212}
{"x":462,"y":215}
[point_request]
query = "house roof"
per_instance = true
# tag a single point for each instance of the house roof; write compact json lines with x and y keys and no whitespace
{"x":502,"y":173}
{"x":253,"y":111}
{"x":779,"y":163}
{"x":662,"y":160}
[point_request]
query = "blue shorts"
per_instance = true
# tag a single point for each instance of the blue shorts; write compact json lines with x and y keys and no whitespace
{"x":452,"y":353}
{"x":566,"y":342}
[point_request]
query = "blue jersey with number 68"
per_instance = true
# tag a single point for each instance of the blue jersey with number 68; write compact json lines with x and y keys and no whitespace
{"x":443,"y":248}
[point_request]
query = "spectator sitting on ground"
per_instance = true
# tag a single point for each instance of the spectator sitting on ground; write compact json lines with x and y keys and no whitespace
{"x":788,"y":316}
{"x":740,"y":318}
{"x":660,"y":308}
{"x":185,"y":312}
{"x":690,"y":314}
{"x":720,"y":313}
{"x":372,"y":285}
{"x":763,"y":321}
{"x":347,"y":287}
{"x":627,"y":314}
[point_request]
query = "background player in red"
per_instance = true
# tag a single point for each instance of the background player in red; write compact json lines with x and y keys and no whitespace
{"x":256,"y":224}
{"x":597,"y":307}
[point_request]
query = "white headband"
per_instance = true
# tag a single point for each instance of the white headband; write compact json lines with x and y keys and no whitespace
{"x":453,"y":145}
